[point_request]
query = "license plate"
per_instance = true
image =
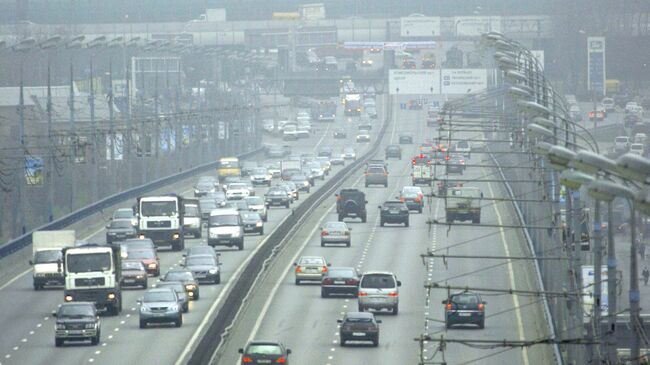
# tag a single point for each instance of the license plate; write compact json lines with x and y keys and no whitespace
{"x":129,"y":281}
{"x":312,"y":270}
{"x":358,"y":333}
{"x":394,"y":212}
{"x":339,"y":282}
{"x":159,"y":314}
{"x":265,"y":361}
{"x":464,"y":314}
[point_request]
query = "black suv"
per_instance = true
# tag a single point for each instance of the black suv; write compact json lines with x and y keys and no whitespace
{"x":394,"y":211}
{"x":394,"y":151}
{"x":265,"y":352}
{"x":351,"y":203}
{"x":76,"y":321}
{"x":464,"y":308}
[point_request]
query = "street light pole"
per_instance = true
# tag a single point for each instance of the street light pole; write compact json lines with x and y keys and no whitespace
{"x":612,"y":299}
{"x":634,"y":295}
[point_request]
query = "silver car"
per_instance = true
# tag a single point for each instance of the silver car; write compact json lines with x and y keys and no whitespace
{"x":256,"y":204}
{"x":179,"y":288}
{"x":310,"y":268}
{"x":161,"y":306}
{"x":379,"y":290}
{"x":335,"y":233}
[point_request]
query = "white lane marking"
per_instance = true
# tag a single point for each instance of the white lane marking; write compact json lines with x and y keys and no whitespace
{"x":23,"y":340}
{"x":98,"y":352}
{"x":322,"y":137}
{"x":31,"y":332}
{"x":15,"y":348}
{"x":511,"y":276}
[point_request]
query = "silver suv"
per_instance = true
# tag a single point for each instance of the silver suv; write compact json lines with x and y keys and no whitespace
{"x":379,"y":290}
{"x":376,"y":175}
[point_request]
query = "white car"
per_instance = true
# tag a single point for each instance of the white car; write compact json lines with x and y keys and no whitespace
{"x":274,"y":169}
{"x":637,"y":149}
{"x":631,"y":107}
{"x":363,"y":136}
{"x":608,"y":104}
{"x":349,"y":154}
{"x":640,"y":138}
{"x":621,"y":143}
{"x":261,"y":176}
{"x":290,"y":133}
{"x":236,"y":191}
{"x":268,"y":125}
{"x":464,"y":148}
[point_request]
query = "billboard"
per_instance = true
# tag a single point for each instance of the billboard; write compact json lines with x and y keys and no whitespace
{"x":414,"y":82}
{"x":596,"y":64}
{"x":463,"y":81}
{"x":419,"y":26}
{"x":114,"y":146}
{"x":34,"y":171}
{"x":588,"y":284}
{"x":390,"y":46}
{"x":475,"y":26}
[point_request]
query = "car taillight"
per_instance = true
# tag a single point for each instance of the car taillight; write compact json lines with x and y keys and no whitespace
{"x":347,"y":233}
{"x":247,"y":359}
{"x":324,"y":269}
{"x":402,"y":199}
{"x":281,"y":360}
{"x":298,"y":269}
{"x":324,"y":233}
{"x":418,"y":199}
{"x":392,"y":294}
{"x":481,"y":307}
{"x":363,"y":294}
{"x":351,"y":282}
{"x":448,"y":306}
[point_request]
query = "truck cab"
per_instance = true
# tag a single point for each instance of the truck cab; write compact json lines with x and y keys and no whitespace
{"x":47,"y":259}
{"x":160,"y":218}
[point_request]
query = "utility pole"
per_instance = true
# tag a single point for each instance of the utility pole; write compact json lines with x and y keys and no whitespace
{"x":50,"y":159}
{"x":611,"y":287}
{"x":594,"y":331}
{"x":634,"y":294}
{"x":95,"y":141}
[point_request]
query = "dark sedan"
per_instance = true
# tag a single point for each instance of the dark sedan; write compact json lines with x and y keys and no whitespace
{"x":277,"y":197}
{"x":394,"y":151}
{"x":359,"y":326}
{"x":187,"y":278}
{"x":119,"y":230}
{"x":394,"y":212}
{"x":204,"y":268}
{"x":464,"y":308}
{"x":301,"y":181}
{"x":133,"y":274}
{"x":253,"y":222}
{"x":340,"y":134}
{"x":265,"y":352}
{"x":340,"y":280}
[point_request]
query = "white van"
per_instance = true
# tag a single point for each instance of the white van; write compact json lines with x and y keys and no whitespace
{"x":225,"y":228}
{"x":637,"y":149}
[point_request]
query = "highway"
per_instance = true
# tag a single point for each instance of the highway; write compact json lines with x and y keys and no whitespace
{"x":28,"y":329}
{"x":306,"y":323}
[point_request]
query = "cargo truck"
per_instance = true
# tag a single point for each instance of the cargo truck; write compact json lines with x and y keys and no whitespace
{"x":463,"y":203}
{"x":47,"y":259}
{"x":161,"y":219}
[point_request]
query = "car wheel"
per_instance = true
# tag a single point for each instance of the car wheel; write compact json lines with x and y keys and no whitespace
{"x":342,"y":343}
{"x":186,"y":308}
{"x":381,"y":223}
{"x":363,"y":218}
{"x":395,"y":309}
{"x":95,"y":340}
{"x":406,"y":224}
{"x":286,"y":205}
{"x":340,"y":218}
{"x":297,"y":281}
{"x":420,"y":210}
{"x":218,"y":279}
{"x":240,"y":246}
{"x":448,"y":324}
{"x":261,"y":232}
{"x":324,"y":294}
{"x":385,"y":185}
{"x":361,"y":308}
{"x":58,"y":342}
{"x":143,"y":324}
{"x":179,"y":321}
{"x":348,"y":244}
{"x":145,"y":285}
{"x":481,"y":324}
{"x":37,"y":287}
{"x":322,"y":244}
{"x":366,"y":184}
{"x":375,"y":343}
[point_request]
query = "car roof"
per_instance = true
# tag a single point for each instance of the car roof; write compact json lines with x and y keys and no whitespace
{"x":359,"y":315}
{"x":262,"y":342}
{"x":393,"y":201}
{"x":220,"y":212}
{"x":69,"y":304}
{"x":155,"y":290}
{"x":378,"y":273}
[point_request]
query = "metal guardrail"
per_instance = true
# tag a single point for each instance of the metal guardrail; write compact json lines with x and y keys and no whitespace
{"x":211,"y":339}
{"x":26,"y":239}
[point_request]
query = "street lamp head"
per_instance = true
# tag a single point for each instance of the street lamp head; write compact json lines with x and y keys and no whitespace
{"x":538,"y":130}
{"x":634,"y":167}
{"x":591,"y":162}
{"x":544,"y":122}
{"x":560,"y":157}
{"x":533,"y":107}
{"x":542,"y":148}
{"x":503,"y":45}
{"x":573,"y":179}
{"x":51,"y":42}
{"x":516,"y":76}
{"x":607,"y":191}
{"x":24,"y":45}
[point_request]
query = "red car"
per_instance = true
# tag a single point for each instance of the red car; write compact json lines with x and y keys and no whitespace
{"x":148,"y":258}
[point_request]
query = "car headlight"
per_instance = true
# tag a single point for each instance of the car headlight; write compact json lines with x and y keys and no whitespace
{"x":236,"y":233}
{"x":173,"y":308}
{"x":189,"y":287}
{"x":213,"y":271}
{"x":259,"y":224}
{"x":60,"y":326}
{"x":90,"y":325}
{"x":111,"y":233}
{"x":196,"y":191}
{"x":213,"y":234}
{"x":139,"y":276}
{"x":144,"y":309}
{"x":152,"y":265}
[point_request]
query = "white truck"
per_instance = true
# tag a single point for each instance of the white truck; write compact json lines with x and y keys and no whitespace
{"x":47,"y":258}
{"x":160,"y":218}
{"x":93,"y":273}
{"x":422,"y":174}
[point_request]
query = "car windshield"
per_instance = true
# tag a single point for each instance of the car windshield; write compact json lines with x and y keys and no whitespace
{"x":153,"y":209}
{"x":123,"y":214}
{"x":340,"y":226}
{"x":76,"y":311}
{"x":358,"y":320}
{"x":121,"y":223}
{"x":224,"y":220}
{"x":49,"y":256}
{"x":138,"y":244}
{"x":177,"y":287}
{"x":411,"y":189}
{"x":159,"y":296}
{"x":191,"y":261}
{"x":378,"y":281}
{"x":375,"y":170}
{"x":179,"y":276}
{"x":465,"y":299}
{"x":132,"y":265}
{"x":250,"y":216}
{"x":311,"y":261}
{"x":301,"y":178}
{"x":264,"y":350}
{"x":191,"y":211}
{"x":237,"y":186}
{"x":276,"y":192}
{"x":200,"y":250}
{"x":228,"y":164}
{"x":141,"y":254}
{"x":208,"y":205}
{"x":205,"y":185}
{"x":88,"y":262}
{"x":260,"y":171}
{"x":349,"y":150}
{"x":342,"y":273}
{"x":393,"y":205}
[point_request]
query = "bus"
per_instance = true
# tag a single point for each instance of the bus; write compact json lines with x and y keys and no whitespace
{"x":228,"y":166}
{"x":352,"y":104}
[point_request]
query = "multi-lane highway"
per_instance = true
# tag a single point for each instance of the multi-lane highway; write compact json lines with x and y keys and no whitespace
{"x":306,"y":323}
{"x":28,"y":328}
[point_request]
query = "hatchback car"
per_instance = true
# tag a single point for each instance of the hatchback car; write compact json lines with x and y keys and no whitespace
{"x":237,"y":191}
{"x":394,"y":151}
{"x":133,"y":274}
{"x":76,"y":321}
{"x":379,"y":290}
{"x":149,"y":259}
{"x":252,"y":222}
{"x":359,"y":326}
{"x":405,"y":138}
{"x":413,"y":197}
{"x":393,"y":211}
{"x":204,"y":268}
{"x":179,"y":288}
{"x":186,"y":277}
{"x":335,"y":233}
{"x":376,"y":175}
{"x":464,"y":308}
{"x":310,"y":268}
{"x":340,"y":280}
{"x":160,"y":306}
{"x":264,"y":352}
{"x":119,"y":230}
